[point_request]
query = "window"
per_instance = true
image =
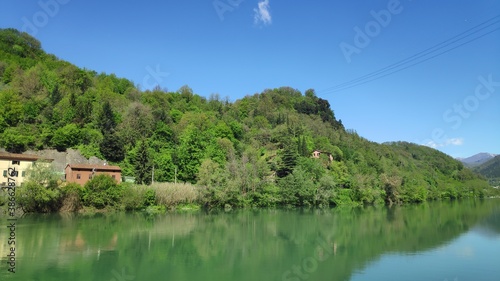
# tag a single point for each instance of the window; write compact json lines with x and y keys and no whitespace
{"x":78,"y":176}
{"x":23,"y":174}
{"x":113,"y":176}
{"x":90,"y":176}
{"x":16,"y":162}
{"x":4,"y":173}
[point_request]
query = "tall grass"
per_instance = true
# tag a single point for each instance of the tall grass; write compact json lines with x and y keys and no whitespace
{"x":172,"y":194}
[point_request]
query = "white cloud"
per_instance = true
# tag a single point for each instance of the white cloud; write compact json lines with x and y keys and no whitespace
{"x":262,"y":13}
{"x":455,"y":141}
{"x":448,"y":142}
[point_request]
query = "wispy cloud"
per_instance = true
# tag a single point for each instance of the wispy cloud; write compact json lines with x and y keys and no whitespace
{"x":262,"y":13}
{"x":447,"y":142}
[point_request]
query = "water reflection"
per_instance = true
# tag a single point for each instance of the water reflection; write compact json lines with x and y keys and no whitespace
{"x":338,"y":244}
{"x":490,"y":226}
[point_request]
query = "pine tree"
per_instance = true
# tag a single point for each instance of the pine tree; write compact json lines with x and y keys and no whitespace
{"x":288,"y":161}
{"x":106,"y":121}
{"x":112,"y":148}
{"x":302,"y":147}
{"x":299,"y":145}
{"x":143,"y":164}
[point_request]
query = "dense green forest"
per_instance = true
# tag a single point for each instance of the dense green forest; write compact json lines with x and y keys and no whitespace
{"x":256,"y":151}
{"x":491,"y":170}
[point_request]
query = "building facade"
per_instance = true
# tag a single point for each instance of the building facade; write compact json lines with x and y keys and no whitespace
{"x":14,"y":166}
{"x":82,"y":173}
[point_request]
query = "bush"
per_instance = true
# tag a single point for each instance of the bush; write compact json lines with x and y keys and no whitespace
{"x":344,"y":197}
{"x":34,"y":197}
{"x":136,"y":197}
{"x":297,"y":190}
{"x":3,"y":197}
{"x":102,"y":191}
{"x":40,"y":193}
{"x":72,"y":194}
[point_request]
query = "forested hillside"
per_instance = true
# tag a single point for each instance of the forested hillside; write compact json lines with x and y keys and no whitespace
{"x":256,"y":151}
{"x":491,"y":170}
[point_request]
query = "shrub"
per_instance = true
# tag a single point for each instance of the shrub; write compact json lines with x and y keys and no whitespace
{"x":102,"y":191}
{"x":136,"y":197}
{"x":72,"y":194}
{"x":344,"y":197}
{"x":34,"y":197}
{"x":40,"y":193}
{"x":3,"y":197}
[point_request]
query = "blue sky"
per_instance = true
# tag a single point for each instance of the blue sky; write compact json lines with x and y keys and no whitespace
{"x":241,"y":47}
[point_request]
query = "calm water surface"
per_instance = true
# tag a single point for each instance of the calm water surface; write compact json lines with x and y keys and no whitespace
{"x":435,"y":241}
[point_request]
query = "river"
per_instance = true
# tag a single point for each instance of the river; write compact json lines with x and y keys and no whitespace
{"x":433,"y":241}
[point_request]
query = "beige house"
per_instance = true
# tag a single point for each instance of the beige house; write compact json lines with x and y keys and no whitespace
{"x":317,"y":153}
{"x":15,"y":165}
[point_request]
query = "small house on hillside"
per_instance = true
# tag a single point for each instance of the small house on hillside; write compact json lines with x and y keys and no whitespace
{"x":15,"y":166}
{"x":317,"y":153}
{"x":82,"y":173}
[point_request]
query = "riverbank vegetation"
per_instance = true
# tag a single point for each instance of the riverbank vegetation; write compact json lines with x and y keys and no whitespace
{"x":254,"y":152}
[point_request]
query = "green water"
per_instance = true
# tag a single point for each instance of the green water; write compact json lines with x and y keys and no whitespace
{"x":435,"y":241}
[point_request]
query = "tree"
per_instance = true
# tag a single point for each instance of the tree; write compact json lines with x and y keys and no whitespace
{"x":310,"y":93}
{"x":302,"y":146}
{"x":66,"y":137}
{"x":40,"y":192}
{"x":137,"y":123}
{"x":143,"y":164}
{"x":165,"y":168}
{"x":112,"y":147}
{"x":289,"y":157}
{"x":106,"y":121}
{"x":190,"y":153}
{"x":11,"y":108}
{"x":17,"y":139}
{"x":83,"y":109}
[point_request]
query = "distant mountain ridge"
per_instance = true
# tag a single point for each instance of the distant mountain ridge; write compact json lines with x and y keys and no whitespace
{"x":477,"y":159}
{"x":491,"y":170}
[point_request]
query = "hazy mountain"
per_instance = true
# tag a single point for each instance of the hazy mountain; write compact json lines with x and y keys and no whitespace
{"x":477,"y":159}
{"x":491,"y":170}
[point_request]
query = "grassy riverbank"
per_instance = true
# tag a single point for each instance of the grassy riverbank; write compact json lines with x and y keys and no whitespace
{"x":103,"y":194}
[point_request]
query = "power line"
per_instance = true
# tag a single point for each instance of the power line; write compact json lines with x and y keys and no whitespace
{"x":429,"y":51}
{"x":419,"y":62}
{"x":420,"y":54}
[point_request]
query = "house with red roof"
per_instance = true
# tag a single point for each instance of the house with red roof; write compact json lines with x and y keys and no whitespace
{"x":82,"y":173}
